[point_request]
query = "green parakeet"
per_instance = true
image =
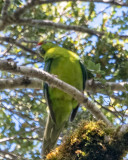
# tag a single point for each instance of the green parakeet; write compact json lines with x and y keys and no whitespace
{"x":66,"y":66}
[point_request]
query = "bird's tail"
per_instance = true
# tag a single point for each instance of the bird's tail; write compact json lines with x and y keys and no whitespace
{"x":51,"y":134}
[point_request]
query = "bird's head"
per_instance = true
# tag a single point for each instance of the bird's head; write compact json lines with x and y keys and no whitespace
{"x":44,"y":46}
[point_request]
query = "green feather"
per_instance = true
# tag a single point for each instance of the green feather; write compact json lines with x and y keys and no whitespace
{"x":46,"y":90}
{"x":66,"y":66}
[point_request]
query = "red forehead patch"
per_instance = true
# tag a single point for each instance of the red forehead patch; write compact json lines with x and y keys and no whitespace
{"x":40,"y":43}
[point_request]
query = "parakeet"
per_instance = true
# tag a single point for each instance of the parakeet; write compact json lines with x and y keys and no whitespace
{"x":66,"y":66}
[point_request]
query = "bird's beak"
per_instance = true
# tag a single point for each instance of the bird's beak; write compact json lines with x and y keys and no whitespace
{"x":38,"y":49}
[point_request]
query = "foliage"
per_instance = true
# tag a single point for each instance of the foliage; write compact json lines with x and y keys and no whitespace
{"x":23,"y":112}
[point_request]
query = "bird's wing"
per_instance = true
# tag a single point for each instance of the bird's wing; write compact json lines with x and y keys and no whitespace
{"x":46,"y":90}
{"x":84,"y":73}
{"x":74,"y":111}
{"x":73,"y":114}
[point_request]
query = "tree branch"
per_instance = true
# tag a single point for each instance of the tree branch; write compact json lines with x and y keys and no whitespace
{"x":15,"y":18}
{"x":12,"y":67}
{"x":116,"y":2}
{"x":34,"y":83}
{"x":15,"y":137}
{"x":21,"y":82}
{"x":7,"y":139}
{"x":5,"y":9}
{"x":9,"y":155}
{"x":91,"y":85}
{"x":33,"y":3}
{"x":50,"y":24}
{"x":47,"y":23}
{"x":13,"y":41}
{"x":92,"y":140}
{"x":96,"y":86}
{"x":123,"y":129}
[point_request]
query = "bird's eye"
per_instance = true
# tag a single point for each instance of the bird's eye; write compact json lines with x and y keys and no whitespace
{"x":40,"y":50}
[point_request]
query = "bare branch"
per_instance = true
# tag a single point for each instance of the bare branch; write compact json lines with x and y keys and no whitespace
{"x":9,"y":155}
{"x":7,"y":139}
{"x":15,"y":18}
{"x":12,"y":67}
{"x":5,"y":9}
{"x":123,"y":129}
{"x":15,"y":137}
{"x":27,"y":6}
{"x":34,"y":83}
{"x":50,"y":24}
{"x":33,"y":3}
{"x":4,"y":23}
{"x":21,"y":82}
{"x":95,"y":86}
{"x":27,"y":41}
{"x":91,"y":86}
{"x":30,"y":138}
{"x":13,"y":41}
{"x":123,"y":36}
{"x":116,"y":2}
{"x":6,"y":19}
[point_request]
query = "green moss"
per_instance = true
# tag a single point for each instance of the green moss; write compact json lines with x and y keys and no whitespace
{"x":91,"y":141}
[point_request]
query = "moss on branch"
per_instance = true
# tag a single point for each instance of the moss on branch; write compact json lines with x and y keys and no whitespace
{"x":92,"y":140}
